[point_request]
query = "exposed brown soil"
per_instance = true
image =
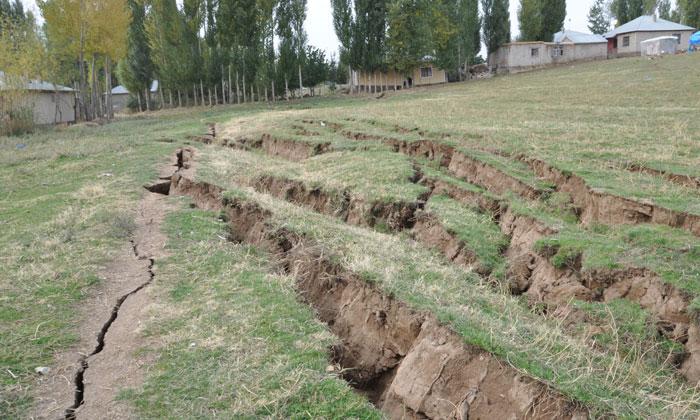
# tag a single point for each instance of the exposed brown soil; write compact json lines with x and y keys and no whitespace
{"x":412,"y":366}
{"x":529,"y":272}
{"x":684,"y":180}
{"x":291,"y":149}
{"x":605,"y":208}
{"x":457,"y":163}
{"x":85,"y":382}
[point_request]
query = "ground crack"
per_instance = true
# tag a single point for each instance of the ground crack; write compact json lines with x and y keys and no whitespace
{"x":79,"y":379}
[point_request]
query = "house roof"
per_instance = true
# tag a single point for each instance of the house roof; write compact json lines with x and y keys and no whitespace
{"x":647,"y":24}
{"x":578,"y":37}
{"x":122,"y":90}
{"x":36,"y":85}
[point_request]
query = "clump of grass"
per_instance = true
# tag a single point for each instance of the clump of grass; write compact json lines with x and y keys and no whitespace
{"x":122,"y":225}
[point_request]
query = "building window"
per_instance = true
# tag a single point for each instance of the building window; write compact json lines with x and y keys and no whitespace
{"x":558,"y":51}
{"x":426,"y":72}
{"x":626,"y":41}
{"x":534,"y":52}
{"x":678,"y":37}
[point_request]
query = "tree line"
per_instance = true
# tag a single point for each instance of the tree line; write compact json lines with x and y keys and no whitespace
{"x":235,"y":51}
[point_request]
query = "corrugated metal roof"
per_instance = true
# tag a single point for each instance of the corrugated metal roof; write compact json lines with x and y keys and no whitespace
{"x":37,"y":85}
{"x":647,"y":24}
{"x":578,"y":37}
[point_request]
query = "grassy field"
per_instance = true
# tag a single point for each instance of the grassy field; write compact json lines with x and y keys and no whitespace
{"x":236,"y":339}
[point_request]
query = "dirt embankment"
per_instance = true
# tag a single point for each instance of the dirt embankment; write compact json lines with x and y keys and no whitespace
{"x":683,"y":180}
{"x":457,"y":163}
{"x":594,"y":206}
{"x":605,"y":208}
{"x":529,"y":272}
{"x":293,"y":150}
{"x":405,"y":361}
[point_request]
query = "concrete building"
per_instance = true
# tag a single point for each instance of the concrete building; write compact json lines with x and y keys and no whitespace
{"x":49,"y":103}
{"x":424,"y":75}
{"x":568,"y":46}
{"x":626,"y":40}
{"x":660,"y":46}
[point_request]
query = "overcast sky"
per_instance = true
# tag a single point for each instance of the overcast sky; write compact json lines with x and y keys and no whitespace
{"x":319,"y":23}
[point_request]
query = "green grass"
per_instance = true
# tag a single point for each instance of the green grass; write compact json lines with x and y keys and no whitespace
{"x":67,"y":202}
{"x":239,"y":344}
{"x":672,"y":253}
{"x":377,"y":175}
{"x":480,"y":233}
{"x":498,"y":323}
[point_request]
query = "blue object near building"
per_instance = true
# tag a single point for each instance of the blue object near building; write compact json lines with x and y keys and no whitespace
{"x":695,"y":39}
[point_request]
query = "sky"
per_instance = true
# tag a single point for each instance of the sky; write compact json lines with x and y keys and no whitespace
{"x":319,"y":22}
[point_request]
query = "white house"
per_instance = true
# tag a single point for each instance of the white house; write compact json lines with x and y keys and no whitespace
{"x":626,"y":40}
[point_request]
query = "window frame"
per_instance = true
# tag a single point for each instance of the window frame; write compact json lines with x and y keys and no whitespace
{"x":534,"y":52}
{"x":678,"y":37}
{"x":626,"y":41}
{"x":426,"y":72}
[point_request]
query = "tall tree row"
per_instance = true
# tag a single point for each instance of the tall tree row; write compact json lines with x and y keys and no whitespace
{"x":541,"y":19}
{"x":89,"y":36}
{"x":598,"y":18}
{"x":496,"y":24}
{"x":690,"y":12}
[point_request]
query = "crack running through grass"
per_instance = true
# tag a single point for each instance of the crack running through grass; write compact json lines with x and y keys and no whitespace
{"x":84,"y":360}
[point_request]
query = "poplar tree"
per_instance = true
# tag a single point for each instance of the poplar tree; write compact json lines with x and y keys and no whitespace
{"x":553,"y":15}
{"x":343,"y":24}
{"x":496,"y":23}
{"x":598,"y":20}
{"x":690,"y":12}
{"x":530,"y":18}
{"x":136,"y":70}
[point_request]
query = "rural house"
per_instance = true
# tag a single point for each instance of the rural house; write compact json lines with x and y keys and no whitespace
{"x":626,"y":40}
{"x":424,"y":75}
{"x":120,"y":96}
{"x":568,"y":46}
{"x":49,"y":103}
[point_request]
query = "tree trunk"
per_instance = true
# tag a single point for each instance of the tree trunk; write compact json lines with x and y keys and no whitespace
{"x":93,"y":83}
{"x":350,"y":80}
{"x":286,"y":88}
{"x":148,"y":100}
{"x":238,"y":89}
{"x":230,"y":86}
{"x":108,"y":73}
{"x":162,"y":99}
{"x":170,"y":94}
{"x":274,"y":98}
{"x":179,"y":99}
{"x":201,"y":87}
{"x":138,"y":96}
{"x":301,"y":85}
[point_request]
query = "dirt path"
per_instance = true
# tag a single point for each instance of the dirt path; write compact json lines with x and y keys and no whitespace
{"x":84,"y":383}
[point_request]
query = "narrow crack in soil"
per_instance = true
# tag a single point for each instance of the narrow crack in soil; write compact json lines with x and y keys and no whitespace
{"x":101,"y":342}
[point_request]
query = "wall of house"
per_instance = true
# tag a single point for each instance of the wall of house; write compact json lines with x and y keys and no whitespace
{"x":517,"y":57}
{"x":119,"y":102}
{"x":636,"y":39}
{"x":392,"y":80}
{"x":583,"y":52}
{"x":439,"y":76}
{"x":52,"y":108}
